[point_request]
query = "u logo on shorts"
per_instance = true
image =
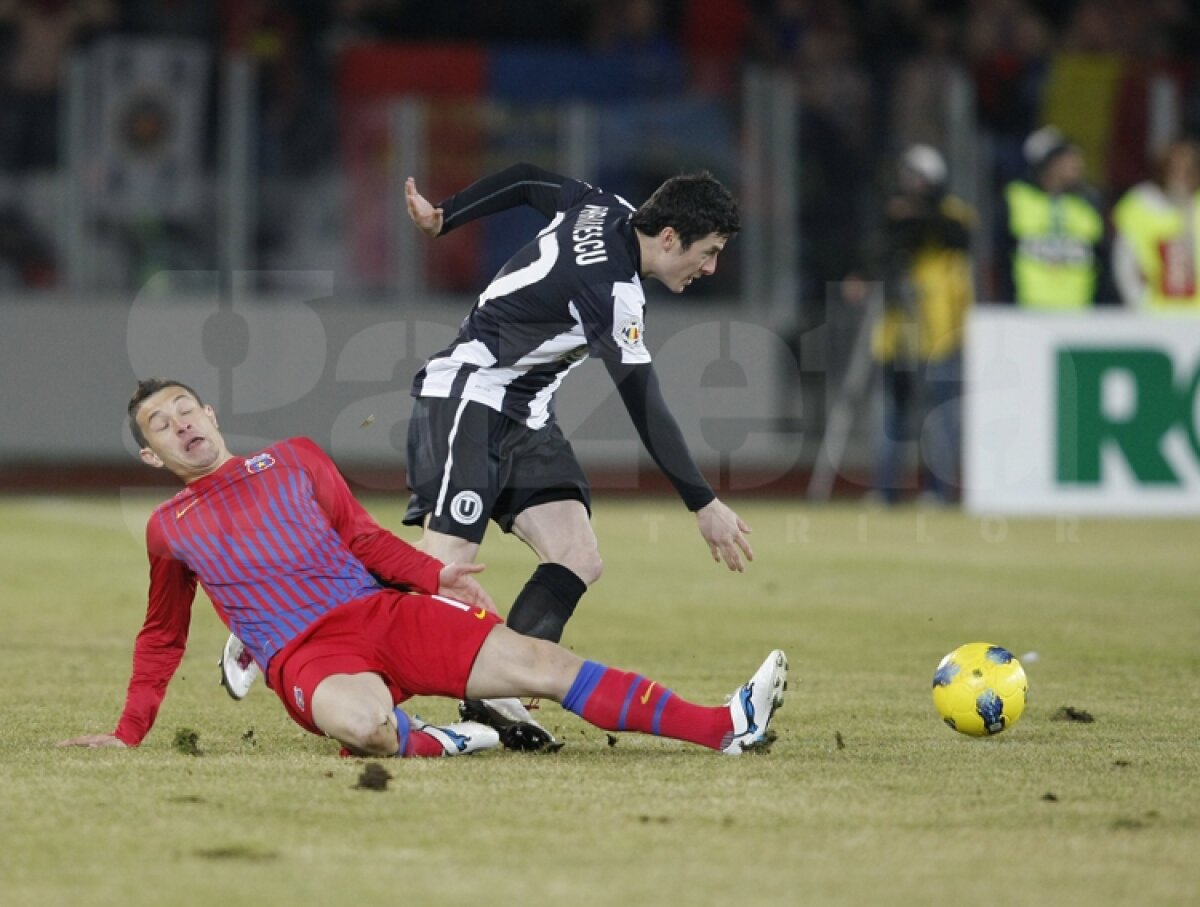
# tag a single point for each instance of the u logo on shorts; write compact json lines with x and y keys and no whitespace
{"x":466,"y":507}
{"x":298,"y":695}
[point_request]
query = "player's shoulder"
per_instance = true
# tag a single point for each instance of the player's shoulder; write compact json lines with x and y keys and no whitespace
{"x":578,"y":195}
{"x":177,"y":500}
{"x":597,"y":239}
{"x":299,"y":451}
{"x":299,"y":442}
{"x":166,"y":515}
{"x":300,"y":446}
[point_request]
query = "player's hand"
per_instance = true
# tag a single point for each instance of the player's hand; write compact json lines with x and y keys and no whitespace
{"x":455,"y":581}
{"x":95,"y":741}
{"x":725,"y":533}
{"x":424,"y":215}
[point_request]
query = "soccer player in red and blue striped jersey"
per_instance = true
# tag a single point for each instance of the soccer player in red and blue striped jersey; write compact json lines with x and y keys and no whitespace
{"x":313,"y":586}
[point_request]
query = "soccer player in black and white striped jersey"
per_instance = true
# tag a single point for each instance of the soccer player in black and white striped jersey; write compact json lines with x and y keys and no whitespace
{"x":484,"y":441}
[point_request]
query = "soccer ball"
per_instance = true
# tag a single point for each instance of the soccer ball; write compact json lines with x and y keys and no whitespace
{"x":979,"y":689}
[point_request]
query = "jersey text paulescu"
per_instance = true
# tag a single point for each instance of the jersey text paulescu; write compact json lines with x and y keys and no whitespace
{"x":586,"y":238}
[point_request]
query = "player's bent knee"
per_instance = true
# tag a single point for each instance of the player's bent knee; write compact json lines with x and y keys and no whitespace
{"x":364,"y":731}
{"x":356,"y":711}
{"x":587,"y":565}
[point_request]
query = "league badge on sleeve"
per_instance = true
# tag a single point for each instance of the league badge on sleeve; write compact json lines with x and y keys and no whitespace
{"x":629,"y":335}
{"x":628,"y":326}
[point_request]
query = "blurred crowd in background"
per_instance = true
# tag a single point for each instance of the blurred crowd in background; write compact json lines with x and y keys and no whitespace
{"x":905,"y":160}
{"x":871,"y":78}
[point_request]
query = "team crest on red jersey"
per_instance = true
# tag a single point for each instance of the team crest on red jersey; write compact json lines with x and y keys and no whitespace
{"x":259,"y":463}
{"x":298,"y":695}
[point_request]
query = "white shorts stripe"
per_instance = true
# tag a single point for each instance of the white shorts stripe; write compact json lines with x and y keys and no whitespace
{"x":451,"y":602}
{"x":441,"y":500}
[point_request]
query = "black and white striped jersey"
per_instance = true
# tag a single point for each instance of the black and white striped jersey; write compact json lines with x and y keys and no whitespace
{"x":573,"y":291}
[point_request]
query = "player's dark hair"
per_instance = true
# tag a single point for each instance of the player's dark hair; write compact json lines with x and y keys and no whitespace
{"x":146,"y":388}
{"x":694,"y":204}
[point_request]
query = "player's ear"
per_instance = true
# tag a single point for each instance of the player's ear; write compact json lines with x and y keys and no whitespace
{"x":211,"y":413}
{"x":668,"y":237}
{"x":150,"y":458}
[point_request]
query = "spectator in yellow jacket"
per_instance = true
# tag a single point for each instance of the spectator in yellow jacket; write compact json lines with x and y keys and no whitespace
{"x":1053,"y":243}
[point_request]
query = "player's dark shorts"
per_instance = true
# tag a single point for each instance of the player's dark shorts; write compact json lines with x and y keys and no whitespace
{"x":467,"y":462}
{"x":421,"y":645}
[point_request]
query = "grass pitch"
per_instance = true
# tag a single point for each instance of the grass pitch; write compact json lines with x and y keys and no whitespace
{"x":865,"y":799}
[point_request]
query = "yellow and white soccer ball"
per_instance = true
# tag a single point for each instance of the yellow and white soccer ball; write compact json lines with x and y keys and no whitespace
{"x":979,"y":689}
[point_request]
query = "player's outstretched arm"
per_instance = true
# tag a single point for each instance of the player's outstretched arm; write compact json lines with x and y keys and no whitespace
{"x":455,"y":581}
{"x":521,"y":185}
{"x":423,"y":214}
{"x":725,"y":533}
{"x":95,"y":741}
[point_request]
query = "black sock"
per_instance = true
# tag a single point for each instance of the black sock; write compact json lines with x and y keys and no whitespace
{"x":547,"y":602}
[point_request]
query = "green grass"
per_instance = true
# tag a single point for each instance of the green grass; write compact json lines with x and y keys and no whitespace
{"x":866,"y":798}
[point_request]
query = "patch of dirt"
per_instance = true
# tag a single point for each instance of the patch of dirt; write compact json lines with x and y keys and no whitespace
{"x":373,"y":777}
{"x":237,"y":852}
{"x":1070,"y":713}
{"x":187,"y":742}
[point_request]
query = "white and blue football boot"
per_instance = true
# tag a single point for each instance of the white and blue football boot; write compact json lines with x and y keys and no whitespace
{"x":753,"y":704}
{"x":460,"y":738}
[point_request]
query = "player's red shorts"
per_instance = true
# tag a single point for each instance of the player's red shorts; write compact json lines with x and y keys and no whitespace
{"x":421,"y":645}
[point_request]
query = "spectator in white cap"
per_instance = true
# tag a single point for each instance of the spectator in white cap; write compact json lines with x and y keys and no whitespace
{"x":1052,"y":236}
{"x":925,"y":266}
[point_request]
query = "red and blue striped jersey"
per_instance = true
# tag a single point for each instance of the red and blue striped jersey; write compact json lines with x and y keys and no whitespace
{"x":277,"y":540}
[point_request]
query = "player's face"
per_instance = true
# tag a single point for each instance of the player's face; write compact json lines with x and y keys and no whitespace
{"x":681,"y":266}
{"x":181,"y":434}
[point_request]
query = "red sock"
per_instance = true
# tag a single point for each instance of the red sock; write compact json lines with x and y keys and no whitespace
{"x":422,"y":745}
{"x":620,"y":701}
{"x":414,"y":744}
